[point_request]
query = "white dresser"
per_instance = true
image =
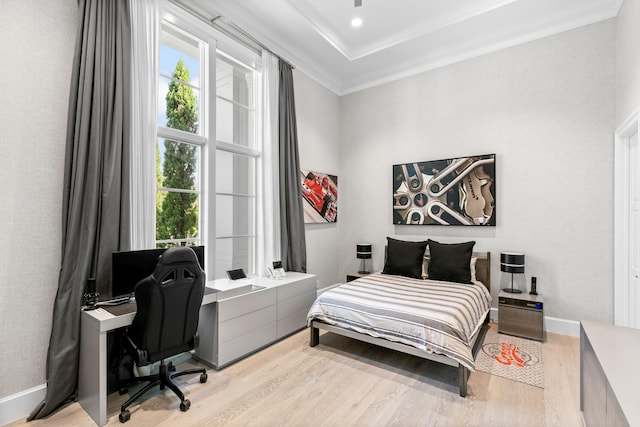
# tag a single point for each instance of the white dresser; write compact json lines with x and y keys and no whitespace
{"x":252,"y":313}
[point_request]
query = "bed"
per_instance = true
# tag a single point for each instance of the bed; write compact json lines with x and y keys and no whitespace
{"x":440,"y":320}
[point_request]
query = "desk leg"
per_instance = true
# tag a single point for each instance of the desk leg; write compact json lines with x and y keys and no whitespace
{"x":92,"y":376}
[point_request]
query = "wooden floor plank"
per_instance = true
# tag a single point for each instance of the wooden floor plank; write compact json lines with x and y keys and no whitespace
{"x":343,"y":382}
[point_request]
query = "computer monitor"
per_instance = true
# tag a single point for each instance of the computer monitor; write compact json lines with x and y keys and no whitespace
{"x":129,"y":267}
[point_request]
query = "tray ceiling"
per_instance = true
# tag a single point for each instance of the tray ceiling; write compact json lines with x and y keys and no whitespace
{"x":399,"y":38}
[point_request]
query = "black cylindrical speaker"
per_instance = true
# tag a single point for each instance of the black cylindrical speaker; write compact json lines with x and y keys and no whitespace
{"x":512,"y":262}
{"x":363,"y":250}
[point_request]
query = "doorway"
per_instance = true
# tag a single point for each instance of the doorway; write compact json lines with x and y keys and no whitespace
{"x":627,"y":224}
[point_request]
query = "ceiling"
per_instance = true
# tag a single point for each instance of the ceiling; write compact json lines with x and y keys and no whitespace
{"x":398,"y":38}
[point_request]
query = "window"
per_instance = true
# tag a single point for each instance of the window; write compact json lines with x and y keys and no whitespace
{"x":207,"y":150}
{"x":236,"y":158}
{"x":180,"y":139}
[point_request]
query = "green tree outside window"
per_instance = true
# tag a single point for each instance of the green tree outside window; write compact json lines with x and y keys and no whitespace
{"x":177,"y":212}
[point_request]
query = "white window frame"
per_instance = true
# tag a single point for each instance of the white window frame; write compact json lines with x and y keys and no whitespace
{"x":250,"y":152}
{"x":198,"y":139}
{"x":206,"y":139}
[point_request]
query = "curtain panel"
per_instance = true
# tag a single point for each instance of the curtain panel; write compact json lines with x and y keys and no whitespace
{"x":269,"y":207}
{"x":292,"y":232}
{"x":145,"y":27}
{"x":95,"y":217}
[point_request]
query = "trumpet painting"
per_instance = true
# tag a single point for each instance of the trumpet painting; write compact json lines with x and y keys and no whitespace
{"x":458,"y":191}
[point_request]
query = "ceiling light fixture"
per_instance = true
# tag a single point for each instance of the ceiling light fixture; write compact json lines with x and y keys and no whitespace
{"x":356,"y":22}
{"x":357,"y":3}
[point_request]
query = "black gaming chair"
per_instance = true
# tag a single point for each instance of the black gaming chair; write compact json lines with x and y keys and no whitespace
{"x":166,"y":321}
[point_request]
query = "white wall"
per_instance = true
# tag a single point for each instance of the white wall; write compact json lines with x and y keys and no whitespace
{"x":546,"y":109}
{"x":627,"y":60}
{"x":36,"y":46}
{"x":318,"y":120}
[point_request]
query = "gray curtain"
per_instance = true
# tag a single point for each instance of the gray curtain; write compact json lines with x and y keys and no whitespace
{"x":292,"y":233}
{"x":95,"y":219}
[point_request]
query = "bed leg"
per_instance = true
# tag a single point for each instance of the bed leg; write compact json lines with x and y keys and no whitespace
{"x":315,"y":336}
{"x":463,"y":377}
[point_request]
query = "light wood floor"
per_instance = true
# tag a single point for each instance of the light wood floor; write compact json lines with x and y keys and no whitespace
{"x":342,"y":382}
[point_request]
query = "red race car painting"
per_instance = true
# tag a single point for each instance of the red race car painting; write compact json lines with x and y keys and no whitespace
{"x":320,"y":190}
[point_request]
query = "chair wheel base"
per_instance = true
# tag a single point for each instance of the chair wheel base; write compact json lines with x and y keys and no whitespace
{"x":203,"y":378}
{"x":125,"y":416}
{"x":185,"y":405}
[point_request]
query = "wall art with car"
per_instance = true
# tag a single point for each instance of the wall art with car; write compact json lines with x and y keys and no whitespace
{"x":458,"y":191}
{"x":320,"y":191}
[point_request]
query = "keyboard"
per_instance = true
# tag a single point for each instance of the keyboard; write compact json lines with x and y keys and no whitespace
{"x":114,"y":301}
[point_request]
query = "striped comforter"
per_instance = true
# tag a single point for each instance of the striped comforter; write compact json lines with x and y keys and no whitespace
{"x":434,"y":316}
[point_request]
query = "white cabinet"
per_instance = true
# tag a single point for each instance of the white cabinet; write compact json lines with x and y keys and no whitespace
{"x":294,"y":301}
{"x":244,"y":324}
{"x":250,"y":314}
{"x":608,"y":382}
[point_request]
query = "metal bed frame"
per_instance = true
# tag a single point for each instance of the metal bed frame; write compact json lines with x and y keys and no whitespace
{"x":483,"y":268}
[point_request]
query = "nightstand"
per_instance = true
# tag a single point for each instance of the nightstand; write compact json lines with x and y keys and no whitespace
{"x":354,"y":276}
{"x":521,"y":315}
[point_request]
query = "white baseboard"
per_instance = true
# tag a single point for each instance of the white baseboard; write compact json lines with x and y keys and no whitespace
{"x":551,"y":324}
{"x":21,"y":404}
{"x":562,"y":326}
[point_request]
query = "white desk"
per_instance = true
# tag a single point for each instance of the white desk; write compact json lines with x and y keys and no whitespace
{"x":95,"y":324}
{"x":92,"y":375}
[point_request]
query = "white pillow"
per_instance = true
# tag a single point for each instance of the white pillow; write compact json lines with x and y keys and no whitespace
{"x":472,"y":265}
